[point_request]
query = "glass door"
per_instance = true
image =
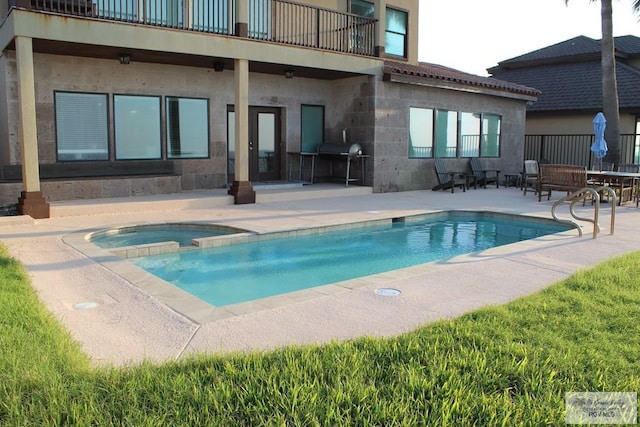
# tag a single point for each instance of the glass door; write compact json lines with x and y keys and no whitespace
{"x":264,"y":144}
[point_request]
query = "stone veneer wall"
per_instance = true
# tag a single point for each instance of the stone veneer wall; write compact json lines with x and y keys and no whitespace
{"x":56,"y":190}
{"x":354,"y":108}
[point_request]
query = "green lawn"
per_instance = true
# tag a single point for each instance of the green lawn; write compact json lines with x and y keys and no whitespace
{"x":507,"y":365}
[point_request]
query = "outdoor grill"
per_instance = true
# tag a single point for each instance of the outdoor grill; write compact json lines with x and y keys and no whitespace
{"x":346,"y":153}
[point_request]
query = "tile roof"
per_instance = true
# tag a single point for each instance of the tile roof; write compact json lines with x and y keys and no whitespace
{"x":439,"y":72}
{"x":575,"y":49}
{"x":569,"y":75}
{"x":580,"y":46}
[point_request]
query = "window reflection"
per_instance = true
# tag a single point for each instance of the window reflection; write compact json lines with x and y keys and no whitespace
{"x":187,"y":127}
{"x":137,"y":127}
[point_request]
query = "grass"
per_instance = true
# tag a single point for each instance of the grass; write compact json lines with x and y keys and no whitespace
{"x":506,"y":365}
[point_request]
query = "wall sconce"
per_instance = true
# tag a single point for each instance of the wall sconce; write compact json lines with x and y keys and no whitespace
{"x":288,"y":74}
{"x":124,"y":58}
{"x":218,"y":66}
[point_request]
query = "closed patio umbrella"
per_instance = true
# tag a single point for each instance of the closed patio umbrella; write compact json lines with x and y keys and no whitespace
{"x":599,"y":146}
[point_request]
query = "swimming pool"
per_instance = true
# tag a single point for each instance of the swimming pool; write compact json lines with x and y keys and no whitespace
{"x":256,"y":269}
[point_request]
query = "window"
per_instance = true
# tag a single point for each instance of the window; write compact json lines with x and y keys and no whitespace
{"x":469,"y":135}
{"x":260,"y":19}
{"x":490,"y":144}
{"x":420,"y":132}
{"x":395,"y":37}
{"x":137,"y":127}
{"x":166,"y":12}
{"x":81,"y":126}
{"x":395,"y":42}
{"x":446,"y":133}
{"x":125,"y":11}
{"x":312,"y":127}
{"x":362,"y":8}
{"x":187,"y":128}
{"x":213,"y":16}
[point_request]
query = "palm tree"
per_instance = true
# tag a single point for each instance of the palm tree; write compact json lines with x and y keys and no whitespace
{"x":609,"y":83}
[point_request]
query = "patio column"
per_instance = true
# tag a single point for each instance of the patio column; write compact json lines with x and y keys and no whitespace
{"x":31,"y":201}
{"x":242,"y":18}
{"x":241,"y":189}
{"x":380,"y":13}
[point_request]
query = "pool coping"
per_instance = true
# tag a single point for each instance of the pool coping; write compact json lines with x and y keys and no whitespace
{"x":202,"y":312}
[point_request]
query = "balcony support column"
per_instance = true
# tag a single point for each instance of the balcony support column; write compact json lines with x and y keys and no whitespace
{"x":242,"y":18}
{"x":241,"y":189}
{"x":31,"y":201}
{"x":380,"y":13}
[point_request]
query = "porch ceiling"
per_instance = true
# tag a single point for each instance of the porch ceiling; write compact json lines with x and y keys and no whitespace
{"x":173,"y":58}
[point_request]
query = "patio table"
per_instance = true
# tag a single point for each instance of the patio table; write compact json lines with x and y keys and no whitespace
{"x":623,"y":180}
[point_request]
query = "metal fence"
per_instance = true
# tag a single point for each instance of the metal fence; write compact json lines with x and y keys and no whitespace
{"x":575,"y":149}
{"x":277,"y":21}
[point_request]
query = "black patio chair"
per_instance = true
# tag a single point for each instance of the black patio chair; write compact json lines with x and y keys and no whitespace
{"x":484,"y":176}
{"x":447,"y":179}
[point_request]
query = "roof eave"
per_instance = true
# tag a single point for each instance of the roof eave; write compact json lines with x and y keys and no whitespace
{"x":460,"y":87}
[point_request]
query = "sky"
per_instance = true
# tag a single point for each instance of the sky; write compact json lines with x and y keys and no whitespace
{"x":473,"y":35}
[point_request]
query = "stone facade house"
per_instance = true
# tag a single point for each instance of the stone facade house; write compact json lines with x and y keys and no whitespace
{"x":108,"y":98}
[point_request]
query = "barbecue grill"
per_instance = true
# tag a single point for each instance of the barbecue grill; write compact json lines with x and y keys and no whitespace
{"x":346,"y":153}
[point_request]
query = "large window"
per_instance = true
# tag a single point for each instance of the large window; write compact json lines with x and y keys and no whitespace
{"x":362,"y":8}
{"x":260,"y":17}
{"x":420,"y":132}
{"x":81,"y":126}
{"x":395,"y":37}
{"x":490,"y":144}
{"x":444,"y":133}
{"x":187,"y":128}
{"x":137,"y":127}
{"x":469,"y":134}
{"x":395,"y":42}
{"x":213,"y":16}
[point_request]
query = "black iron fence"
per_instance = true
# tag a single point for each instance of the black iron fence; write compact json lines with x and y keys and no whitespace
{"x":277,"y":21}
{"x":575,"y":149}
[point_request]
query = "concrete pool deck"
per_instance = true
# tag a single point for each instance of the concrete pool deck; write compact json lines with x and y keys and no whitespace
{"x":132,"y":320}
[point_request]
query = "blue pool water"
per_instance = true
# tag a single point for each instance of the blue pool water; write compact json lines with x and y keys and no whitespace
{"x":145,"y":234}
{"x":248,"y":271}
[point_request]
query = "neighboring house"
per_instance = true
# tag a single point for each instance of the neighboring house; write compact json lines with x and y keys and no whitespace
{"x":113,"y":98}
{"x":569,"y":77}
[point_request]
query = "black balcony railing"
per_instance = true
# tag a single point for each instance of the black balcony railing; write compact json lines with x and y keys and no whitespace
{"x":575,"y":149}
{"x":269,"y":20}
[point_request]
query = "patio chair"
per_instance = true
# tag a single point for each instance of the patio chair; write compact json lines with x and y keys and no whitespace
{"x":632,"y":185}
{"x":448,"y":179}
{"x":484,"y":176}
{"x":530,"y":176}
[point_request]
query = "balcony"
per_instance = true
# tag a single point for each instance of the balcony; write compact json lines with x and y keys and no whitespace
{"x":275,"y":21}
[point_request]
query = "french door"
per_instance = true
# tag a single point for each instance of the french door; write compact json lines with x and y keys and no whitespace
{"x":264,"y":144}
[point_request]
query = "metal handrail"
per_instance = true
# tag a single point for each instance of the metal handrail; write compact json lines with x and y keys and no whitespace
{"x":580,"y":196}
{"x":278,"y":21}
